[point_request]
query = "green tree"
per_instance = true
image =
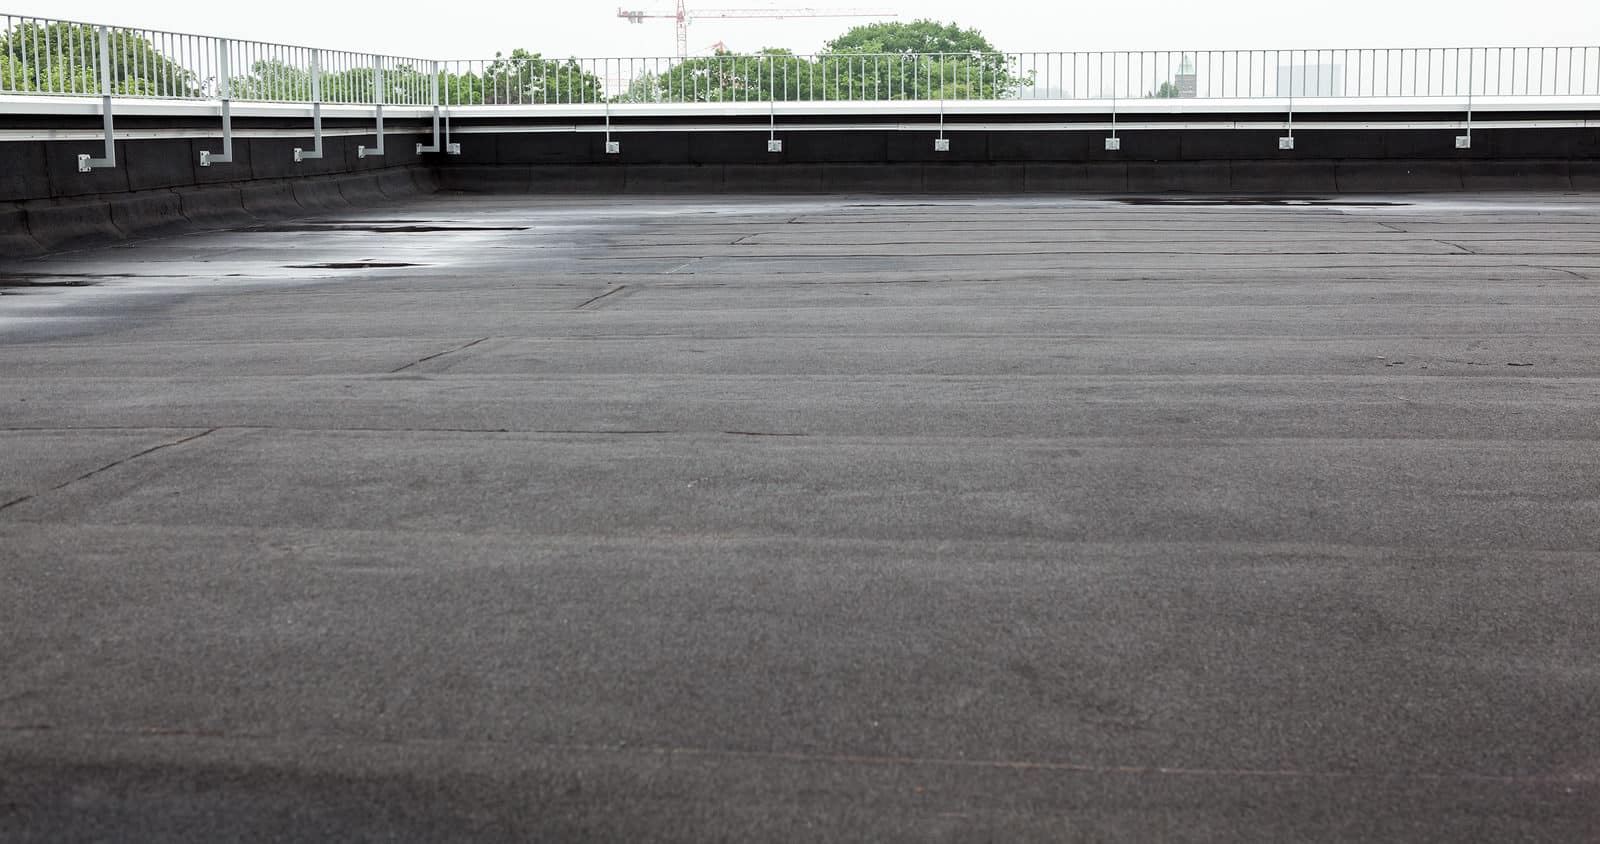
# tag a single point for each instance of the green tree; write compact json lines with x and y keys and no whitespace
{"x":402,"y":85}
{"x":65,"y":58}
{"x":921,"y":60}
{"x":525,"y":78}
{"x":921,"y":37}
{"x":272,"y":79}
{"x":1167,"y":91}
{"x":13,"y":74}
{"x":460,"y":88}
{"x":771,"y":74}
{"x":646,"y":87}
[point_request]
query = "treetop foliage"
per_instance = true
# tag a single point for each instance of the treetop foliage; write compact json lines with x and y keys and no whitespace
{"x":920,"y":60}
{"x":921,"y":36}
{"x":65,"y":58}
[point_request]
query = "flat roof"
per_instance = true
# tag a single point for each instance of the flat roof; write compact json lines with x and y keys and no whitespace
{"x":830,"y":518}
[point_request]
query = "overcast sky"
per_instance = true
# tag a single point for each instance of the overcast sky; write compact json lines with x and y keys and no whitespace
{"x":590,"y":28}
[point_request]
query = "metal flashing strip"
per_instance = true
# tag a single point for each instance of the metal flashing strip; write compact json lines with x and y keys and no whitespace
{"x":1087,"y":126}
{"x":1125,"y":108}
{"x":19,"y":135}
{"x":143,"y":107}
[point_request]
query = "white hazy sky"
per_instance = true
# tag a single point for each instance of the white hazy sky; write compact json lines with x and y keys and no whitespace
{"x":590,"y":28}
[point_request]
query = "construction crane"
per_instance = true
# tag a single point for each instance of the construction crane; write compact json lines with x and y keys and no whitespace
{"x":683,"y":17}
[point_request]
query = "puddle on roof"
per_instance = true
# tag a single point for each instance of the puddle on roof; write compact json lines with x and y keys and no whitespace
{"x":1267,"y":201}
{"x":351,"y":265}
{"x":374,"y":228}
{"x":28,"y":281}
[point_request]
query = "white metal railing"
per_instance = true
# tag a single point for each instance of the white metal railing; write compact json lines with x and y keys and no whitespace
{"x":41,"y":56}
{"x":865,"y":77}
{"x":44,"y":56}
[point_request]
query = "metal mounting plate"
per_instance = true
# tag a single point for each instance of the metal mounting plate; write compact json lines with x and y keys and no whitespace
{"x":774,"y":145}
{"x":1463,"y":142}
{"x":1286,"y":143}
{"x":613,"y":147}
{"x":1113,"y":144}
{"x":941,"y":144}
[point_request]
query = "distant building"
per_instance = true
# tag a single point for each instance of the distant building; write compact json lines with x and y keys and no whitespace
{"x":1311,"y":80}
{"x":1188,"y":80}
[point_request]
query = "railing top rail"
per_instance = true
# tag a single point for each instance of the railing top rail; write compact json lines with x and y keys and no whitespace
{"x":1185,"y":51}
{"x":1188,"y":50}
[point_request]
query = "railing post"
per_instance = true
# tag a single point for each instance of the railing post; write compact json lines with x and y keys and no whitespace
{"x":1287,"y":142}
{"x":225,"y":92}
{"x":773,"y":144}
{"x":88,"y":162}
{"x":1113,"y":143}
{"x":1465,"y":141}
{"x":612,"y":147}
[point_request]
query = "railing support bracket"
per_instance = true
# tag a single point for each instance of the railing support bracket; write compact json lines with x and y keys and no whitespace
{"x":377,"y":99}
{"x":434,"y":147}
{"x":363,"y":151}
{"x":316,"y":112}
{"x":1465,"y":141}
{"x":1286,"y":142}
{"x":87,"y":162}
{"x":225,"y":92}
{"x":1113,"y":143}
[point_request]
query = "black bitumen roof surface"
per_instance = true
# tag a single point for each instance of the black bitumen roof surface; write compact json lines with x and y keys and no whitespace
{"x":809,"y":519}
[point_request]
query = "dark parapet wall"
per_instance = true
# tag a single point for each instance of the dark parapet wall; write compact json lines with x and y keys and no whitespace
{"x":655,"y":158}
{"x":48,"y":169}
{"x":158,"y":186}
